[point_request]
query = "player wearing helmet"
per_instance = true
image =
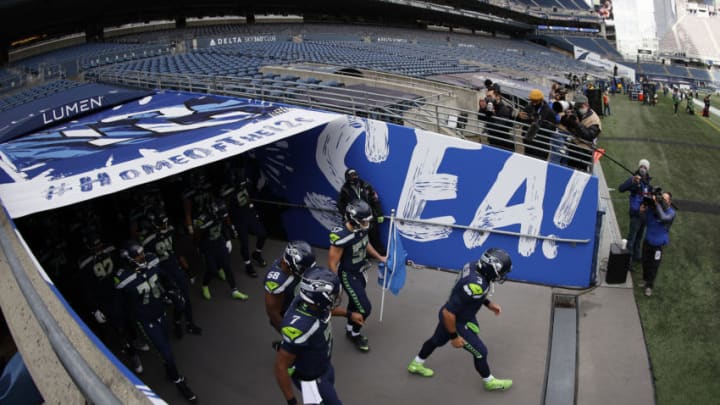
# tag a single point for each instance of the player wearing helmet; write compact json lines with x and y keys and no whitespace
{"x":214,"y":233}
{"x":457,"y":318}
{"x":160,"y":240}
{"x":307,"y":339}
{"x":144,"y":291}
{"x":98,"y":265}
{"x":245,"y":217}
{"x":282,"y":279}
{"x":349,"y":247}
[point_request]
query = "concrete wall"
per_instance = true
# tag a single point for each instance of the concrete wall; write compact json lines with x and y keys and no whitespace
{"x":49,"y":375}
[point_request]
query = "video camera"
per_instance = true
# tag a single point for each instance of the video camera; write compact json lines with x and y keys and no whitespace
{"x":656,"y":192}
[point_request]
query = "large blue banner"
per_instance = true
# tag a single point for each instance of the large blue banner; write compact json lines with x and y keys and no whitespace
{"x":449,"y":184}
{"x":138,"y":142}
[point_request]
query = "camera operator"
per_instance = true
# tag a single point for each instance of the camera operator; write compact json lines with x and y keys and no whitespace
{"x":561,"y":135}
{"x":493,"y":111}
{"x":659,"y":216}
{"x":540,"y":115}
{"x":639,"y":187}
{"x":585,"y":125}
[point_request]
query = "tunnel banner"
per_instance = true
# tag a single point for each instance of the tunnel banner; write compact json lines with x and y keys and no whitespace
{"x":138,"y":142}
{"x":448,"y":184}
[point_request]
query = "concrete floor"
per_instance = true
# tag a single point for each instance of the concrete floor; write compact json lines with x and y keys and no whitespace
{"x":232,"y":362}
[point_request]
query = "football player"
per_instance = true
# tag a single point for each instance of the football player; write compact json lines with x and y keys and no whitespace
{"x":349,"y":247}
{"x":458,"y":323}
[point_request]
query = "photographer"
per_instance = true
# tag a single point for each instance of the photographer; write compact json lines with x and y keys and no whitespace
{"x":585,"y":125}
{"x":659,"y":216}
{"x":493,"y":111}
{"x":539,"y":114}
{"x":639,"y":187}
{"x":561,"y":135}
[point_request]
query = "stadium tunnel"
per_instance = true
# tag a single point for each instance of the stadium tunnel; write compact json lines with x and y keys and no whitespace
{"x":143,"y":138}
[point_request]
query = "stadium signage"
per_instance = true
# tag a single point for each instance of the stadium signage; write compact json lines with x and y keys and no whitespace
{"x":238,"y":40}
{"x":72,"y":109}
{"x":436,"y":188}
{"x":391,"y":39}
{"x":136,"y":143}
{"x":592,"y":58}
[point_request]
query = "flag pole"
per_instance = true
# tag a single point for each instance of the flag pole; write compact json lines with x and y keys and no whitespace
{"x":387,"y":251}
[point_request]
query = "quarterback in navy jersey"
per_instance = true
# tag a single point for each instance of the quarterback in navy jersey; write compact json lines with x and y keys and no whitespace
{"x":347,"y":256}
{"x":140,"y":283}
{"x":307,"y":340}
{"x":457,"y":318}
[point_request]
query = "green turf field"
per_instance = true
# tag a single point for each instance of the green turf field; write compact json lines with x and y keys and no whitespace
{"x":681,"y":320}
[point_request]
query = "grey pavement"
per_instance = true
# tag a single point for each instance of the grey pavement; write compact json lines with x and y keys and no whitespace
{"x":232,"y":362}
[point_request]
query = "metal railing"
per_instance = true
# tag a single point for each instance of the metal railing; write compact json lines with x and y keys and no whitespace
{"x":84,"y":377}
{"x":428,"y":113}
{"x":434,"y":223}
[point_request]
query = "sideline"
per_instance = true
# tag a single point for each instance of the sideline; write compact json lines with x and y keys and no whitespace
{"x":714,"y":111}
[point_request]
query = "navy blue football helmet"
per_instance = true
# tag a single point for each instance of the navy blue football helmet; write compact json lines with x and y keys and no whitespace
{"x":321,"y":287}
{"x":299,"y":257}
{"x":134,"y":253}
{"x":219,"y":209}
{"x":494,"y":265}
{"x":158,"y":219}
{"x":359,"y":214}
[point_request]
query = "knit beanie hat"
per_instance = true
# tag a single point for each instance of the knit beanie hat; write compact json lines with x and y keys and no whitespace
{"x":644,"y":162}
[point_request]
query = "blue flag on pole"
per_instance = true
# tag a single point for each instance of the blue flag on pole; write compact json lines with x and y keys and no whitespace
{"x":395,"y":268}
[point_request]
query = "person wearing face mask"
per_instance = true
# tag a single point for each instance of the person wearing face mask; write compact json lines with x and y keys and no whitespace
{"x":659,"y":216}
{"x":537,"y":113}
{"x":586,"y":127}
{"x":497,"y":116}
{"x":561,"y":135}
{"x":356,"y":188}
{"x":639,"y":187}
{"x":347,"y":257}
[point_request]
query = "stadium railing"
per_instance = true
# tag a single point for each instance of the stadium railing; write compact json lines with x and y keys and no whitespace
{"x":431,"y":114}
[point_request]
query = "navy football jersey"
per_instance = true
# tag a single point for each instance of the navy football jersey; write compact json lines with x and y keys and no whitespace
{"x":277,"y":282}
{"x":213,"y":228}
{"x":160,"y":243}
{"x":142,"y":290}
{"x":308,"y":338}
{"x":101,"y":264}
{"x":468,"y":294}
{"x":354,"y":245}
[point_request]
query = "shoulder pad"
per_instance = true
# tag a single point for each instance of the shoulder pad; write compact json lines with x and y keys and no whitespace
{"x":336,"y":233}
{"x":300,"y":331}
{"x":473,"y":289}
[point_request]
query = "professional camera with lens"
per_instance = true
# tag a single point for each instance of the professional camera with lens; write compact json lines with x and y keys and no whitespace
{"x":490,"y":102}
{"x":648,"y":198}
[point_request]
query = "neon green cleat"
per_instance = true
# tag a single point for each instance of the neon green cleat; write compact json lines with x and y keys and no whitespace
{"x":238,"y":295}
{"x":221,"y":275}
{"x":291,"y":371}
{"x":420,"y":369}
{"x":498,"y":384}
{"x":206,"y":292}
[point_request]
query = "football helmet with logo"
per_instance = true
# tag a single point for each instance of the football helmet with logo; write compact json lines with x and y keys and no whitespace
{"x":320,"y":287}
{"x":494,"y":265}
{"x":299,"y":256}
{"x":359,"y":214}
{"x":134,"y":253}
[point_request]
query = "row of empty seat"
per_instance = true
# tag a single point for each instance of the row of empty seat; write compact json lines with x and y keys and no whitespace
{"x":35,"y":93}
{"x":569,"y":5}
{"x":678,"y":71}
